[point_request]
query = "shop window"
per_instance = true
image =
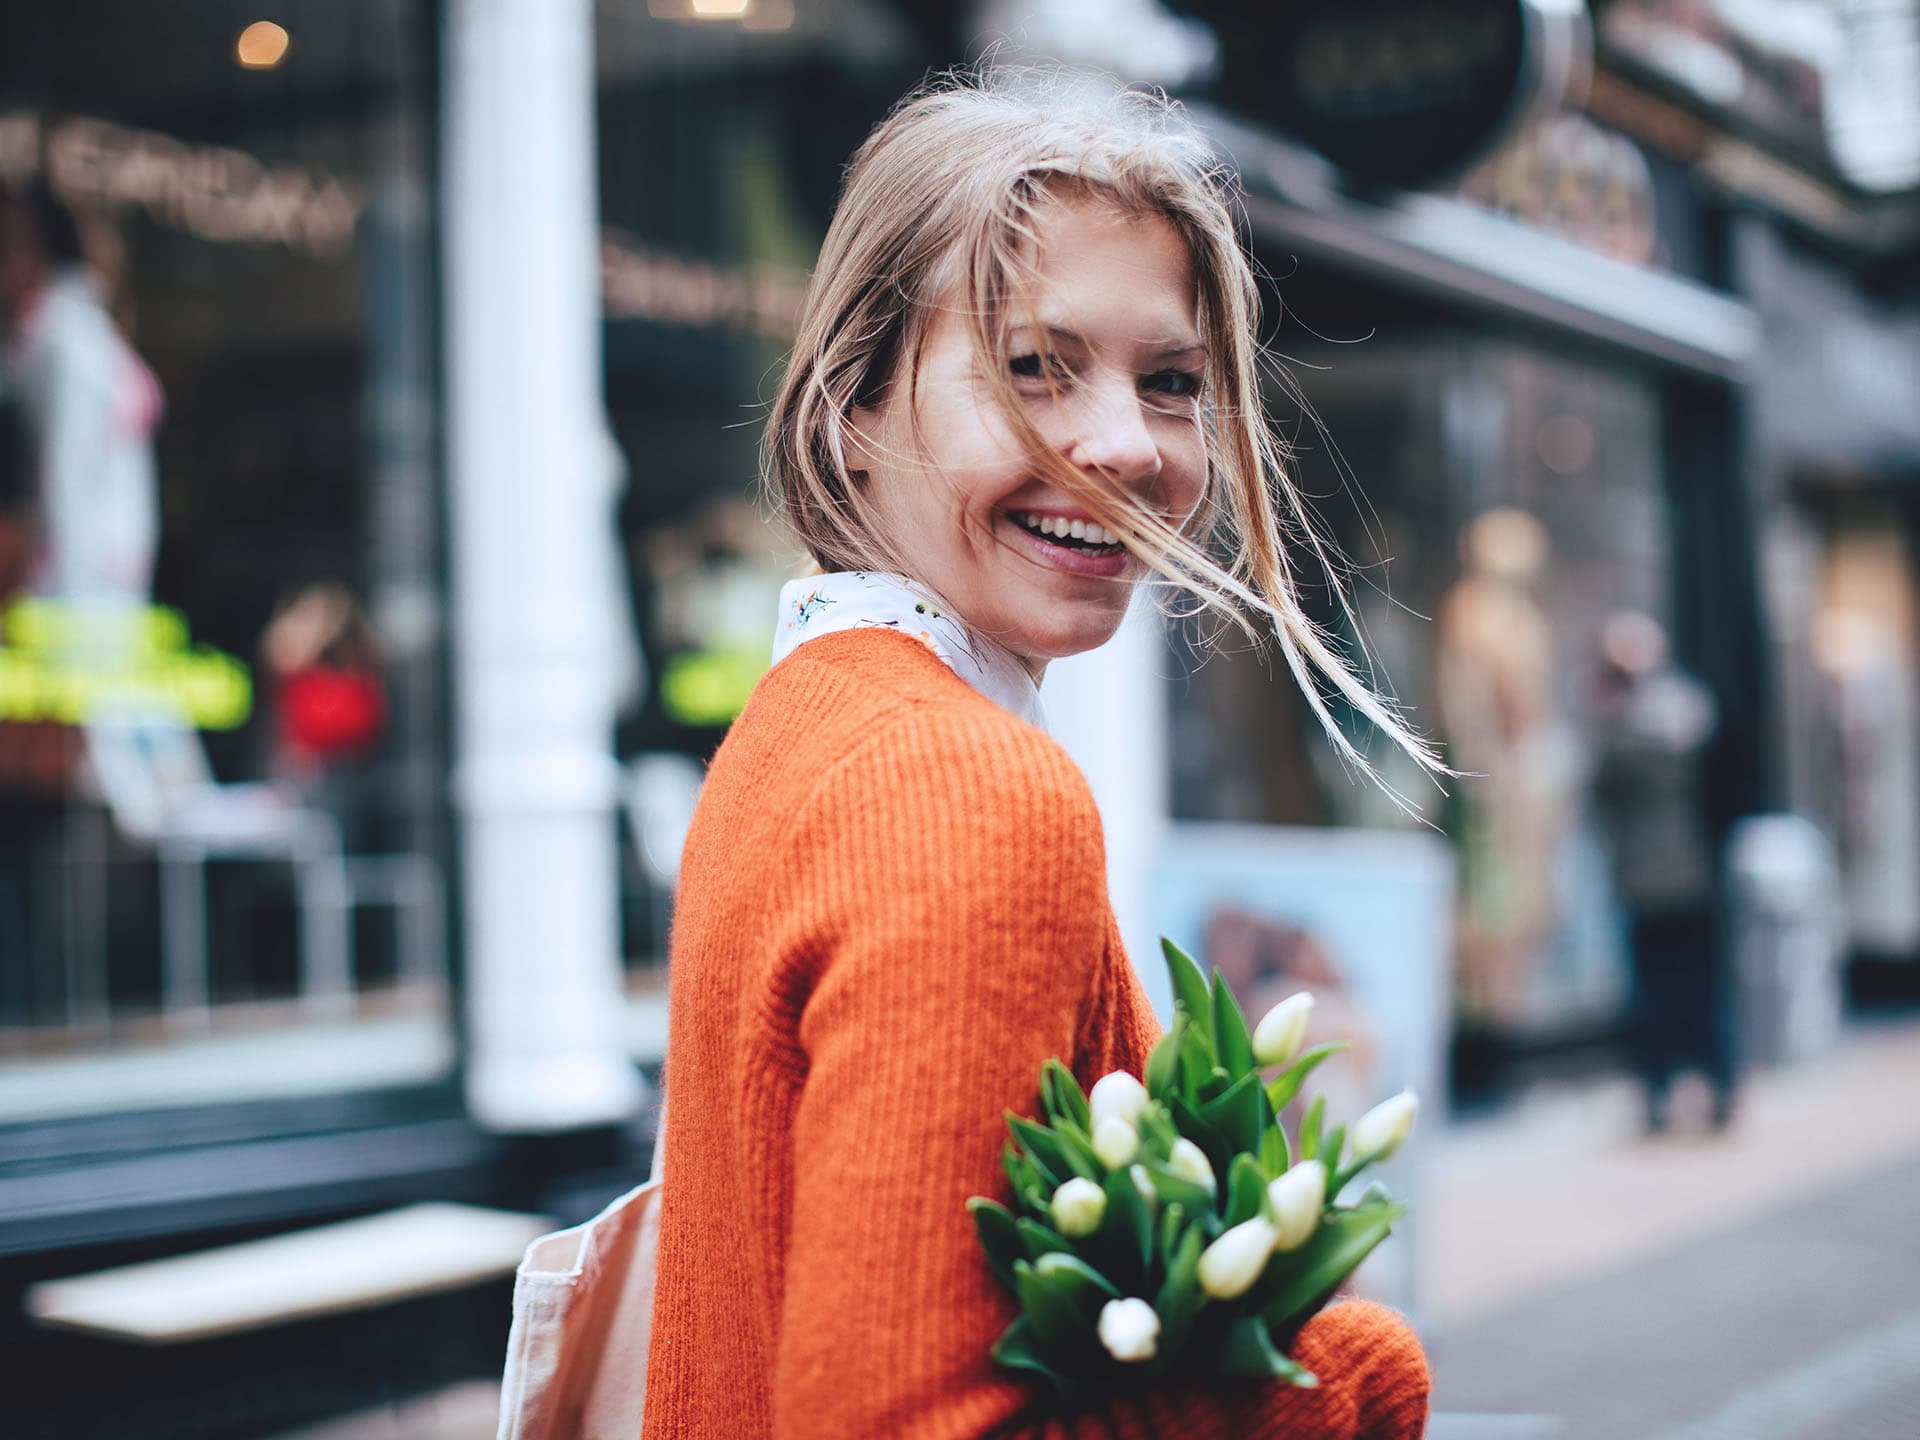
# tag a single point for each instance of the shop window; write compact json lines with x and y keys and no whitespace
{"x":1492,"y":504}
{"x":221,"y":708}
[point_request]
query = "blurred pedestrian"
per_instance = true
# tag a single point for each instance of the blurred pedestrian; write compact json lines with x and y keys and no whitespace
{"x":1655,"y":725}
{"x":1494,"y":672}
{"x":329,"y":697}
{"x":79,"y":513}
{"x":91,"y":407}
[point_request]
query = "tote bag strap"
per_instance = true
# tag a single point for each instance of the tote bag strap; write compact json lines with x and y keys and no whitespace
{"x":583,"y":1323}
{"x":659,"y":1167}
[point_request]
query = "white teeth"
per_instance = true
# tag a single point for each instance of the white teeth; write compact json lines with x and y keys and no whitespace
{"x":1061,"y":528}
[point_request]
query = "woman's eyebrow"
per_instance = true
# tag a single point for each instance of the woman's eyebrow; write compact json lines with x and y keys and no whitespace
{"x":1177,"y":347}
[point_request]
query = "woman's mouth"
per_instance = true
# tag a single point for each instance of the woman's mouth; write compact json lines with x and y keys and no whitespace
{"x":1081,"y":535}
{"x":1080,"y":546}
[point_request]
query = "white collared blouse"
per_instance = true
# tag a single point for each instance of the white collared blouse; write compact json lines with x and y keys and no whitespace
{"x":860,"y":599}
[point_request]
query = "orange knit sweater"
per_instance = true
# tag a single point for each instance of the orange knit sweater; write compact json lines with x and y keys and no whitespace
{"x":893,"y":908}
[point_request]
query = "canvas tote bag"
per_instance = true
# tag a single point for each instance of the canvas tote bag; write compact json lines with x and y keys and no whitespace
{"x":582,"y":1321}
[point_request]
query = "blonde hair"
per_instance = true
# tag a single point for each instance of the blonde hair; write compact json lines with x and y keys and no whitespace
{"x":942,"y":200}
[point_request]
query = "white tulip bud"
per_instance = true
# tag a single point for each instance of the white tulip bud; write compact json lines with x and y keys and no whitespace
{"x":1078,"y":1207}
{"x":1143,"y":1182}
{"x":1380,"y":1132}
{"x":1295,"y":1201}
{"x":1230,"y":1265}
{"x":1189,"y":1162}
{"x":1282,"y":1030}
{"x":1117,"y":1094}
{"x":1115,"y":1141}
{"x":1130,"y":1329}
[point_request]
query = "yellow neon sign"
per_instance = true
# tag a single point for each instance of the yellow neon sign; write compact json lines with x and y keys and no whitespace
{"x":710,"y":687}
{"x":72,"y":664}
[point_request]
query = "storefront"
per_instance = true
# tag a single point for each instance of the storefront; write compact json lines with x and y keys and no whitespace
{"x":1513,"y":399}
{"x":1838,"y":449}
{"x":227,"y":912}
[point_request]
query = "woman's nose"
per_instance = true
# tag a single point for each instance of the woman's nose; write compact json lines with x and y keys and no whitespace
{"x":1112,"y":436}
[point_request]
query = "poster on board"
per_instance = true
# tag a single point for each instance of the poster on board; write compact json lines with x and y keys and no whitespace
{"x":1361,"y":918}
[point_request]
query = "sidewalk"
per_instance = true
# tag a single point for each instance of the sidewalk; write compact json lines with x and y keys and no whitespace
{"x":1562,"y":1185}
{"x":1758,"y":1285}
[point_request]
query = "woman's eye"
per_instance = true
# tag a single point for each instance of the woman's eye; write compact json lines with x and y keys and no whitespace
{"x":1182,"y":384}
{"x":1035,"y":367}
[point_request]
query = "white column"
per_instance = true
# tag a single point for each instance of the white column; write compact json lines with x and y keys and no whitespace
{"x":534,"y":776}
{"x":1109,"y":709}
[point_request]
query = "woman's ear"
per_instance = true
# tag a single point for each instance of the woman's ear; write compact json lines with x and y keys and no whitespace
{"x":862,"y":434}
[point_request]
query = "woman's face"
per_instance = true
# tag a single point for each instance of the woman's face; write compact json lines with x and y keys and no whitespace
{"x":966,"y":506}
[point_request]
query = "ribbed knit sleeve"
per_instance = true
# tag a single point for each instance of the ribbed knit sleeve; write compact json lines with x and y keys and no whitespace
{"x":954,"y":926}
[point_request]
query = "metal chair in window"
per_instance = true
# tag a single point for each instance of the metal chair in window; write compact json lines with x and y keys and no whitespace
{"x":157,"y":785}
{"x":155,"y":781}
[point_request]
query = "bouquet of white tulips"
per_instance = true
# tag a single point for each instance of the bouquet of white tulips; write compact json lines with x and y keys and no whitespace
{"x":1172,"y":1227}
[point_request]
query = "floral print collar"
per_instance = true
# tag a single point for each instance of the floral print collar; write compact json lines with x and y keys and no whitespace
{"x":861,"y":599}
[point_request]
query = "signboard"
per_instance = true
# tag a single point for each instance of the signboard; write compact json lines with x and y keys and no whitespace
{"x":1403,"y":92}
{"x":76,"y":664}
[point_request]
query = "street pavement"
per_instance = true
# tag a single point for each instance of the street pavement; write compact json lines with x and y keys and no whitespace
{"x":1763,"y":1284}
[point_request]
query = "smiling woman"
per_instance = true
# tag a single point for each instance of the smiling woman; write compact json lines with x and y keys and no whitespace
{"x":1024,"y":383}
{"x":970,"y":509}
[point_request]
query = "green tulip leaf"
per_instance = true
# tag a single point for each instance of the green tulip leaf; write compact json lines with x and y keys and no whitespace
{"x":1240,"y":1114}
{"x":1248,"y":1349}
{"x":1163,"y":1065}
{"x":1331,"y":1145}
{"x":1231,"y":1042}
{"x":1062,"y":1098}
{"x":1274,"y":1157}
{"x":1037,"y":1166}
{"x":1180,"y":1296}
{"x":1177,"y":1189}
{"x":1019,"y":1349}
{"x":1076,"y":1137}
{"x":1157,"y":1130}
{"x":1338,"y":1180}
{"x":1246,"y":1190}
{"x":1344,"y":1239}
{"x":1058,"y":1152}
{"x":1058,"y":1325}
{"x":1078,"y":1281}
{"x":1039,"y":1240}
{"x":1286,"y":1085}
{"x":1127,"y":1228}
{"x":1196,"y":1127}
{"x":999,"y":1236}
{"x":1167,"y":1237}
{"x":1020,"y":1171}
{"x":1196,"y":1063}
{"x":1189,"y":983}
{"x":1310,"y":1128}
{"x":1217,"y":1082}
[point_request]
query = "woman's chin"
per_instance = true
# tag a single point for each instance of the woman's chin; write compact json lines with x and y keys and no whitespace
{"x":1039,"y":645}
